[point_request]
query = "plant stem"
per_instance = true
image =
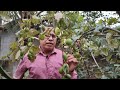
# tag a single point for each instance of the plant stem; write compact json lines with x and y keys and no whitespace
{"x":96,"y":62}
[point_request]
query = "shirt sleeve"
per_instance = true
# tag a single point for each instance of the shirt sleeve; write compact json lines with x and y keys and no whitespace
{"x":21,"y":69}
{"x":74,"y":75}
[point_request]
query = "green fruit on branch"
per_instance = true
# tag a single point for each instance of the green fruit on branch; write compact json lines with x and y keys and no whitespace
{"x":26,"y":29}
{"x":30,"y":39}
{"x":31,"y":57}
{"x":31,"y":51}
{"x":68,"y":42}
{"x":68,"y":76}
{"x":64,"y":77}
{"x":21,"y":54}
{"x":57,"y":31}
{"x":65,"y":68}
{"x":29,"y":44}
{"x":61,"y":70}
{"x":64,"y":57}
{"x":77,"y":54}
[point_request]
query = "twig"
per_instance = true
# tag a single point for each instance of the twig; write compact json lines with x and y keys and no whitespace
{"x":96,"y":62}
{"x":108,"y":28}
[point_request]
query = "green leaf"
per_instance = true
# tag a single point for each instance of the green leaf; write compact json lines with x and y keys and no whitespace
{"x":96,"y":52}
{"x":41,"y":36}
{"x":108,"y":58}
{"x":117,"y":27}
{"x":35,"y":21}
{"x":20,"y":39}
{"x":17,"y":55}
{"x":98,"y":41}
{"x":104,"y":51}
{"x":85,"y":28}
{"x":98,"y":27}
{"x":111,"y":21}
{"x":35,"y":49}
{"x":103,"y":42}
{"x":78,"y":31}
{"x":100,"y":21}
{"x":57,"y":31}
{"x":108,"y":37}
{"x":61,"y":24}
{"x":3,"y":57}
{"x":80,"y":18}
{"x":114,"y":43}
{"x":13,"y":45}
{"x":34,"y":32}
{"x":75,"y":37}
{"x":65,"y":33}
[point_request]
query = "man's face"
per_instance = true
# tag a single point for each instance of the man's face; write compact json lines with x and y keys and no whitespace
{"x":49,"y":41}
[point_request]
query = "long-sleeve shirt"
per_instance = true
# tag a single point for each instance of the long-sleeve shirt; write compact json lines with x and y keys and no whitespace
{"x":43,"y":67}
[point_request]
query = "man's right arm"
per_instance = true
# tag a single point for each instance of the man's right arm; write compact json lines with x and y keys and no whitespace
{"x":21,"y":69}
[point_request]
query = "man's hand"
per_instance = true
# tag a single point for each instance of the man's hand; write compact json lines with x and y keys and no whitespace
{"x":72,"y":62}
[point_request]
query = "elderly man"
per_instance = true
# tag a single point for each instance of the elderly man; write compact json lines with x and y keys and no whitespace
{"x":47,"y":63}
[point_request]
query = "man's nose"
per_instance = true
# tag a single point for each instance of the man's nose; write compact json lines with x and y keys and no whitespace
{"x":50,"y":38}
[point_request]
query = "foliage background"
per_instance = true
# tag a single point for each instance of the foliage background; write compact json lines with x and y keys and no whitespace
{"x":95,"y":42}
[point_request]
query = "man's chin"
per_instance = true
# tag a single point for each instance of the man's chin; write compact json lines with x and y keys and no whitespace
{"x":49,"y":48}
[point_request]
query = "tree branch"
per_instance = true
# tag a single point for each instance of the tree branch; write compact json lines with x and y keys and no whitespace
{"x":39,"y":13}
{"x":4,"y":73}
{"x":105,"y":28}
{"x":96,"y":62}
{"x":108,"y":28}
{"x":104,"y":35}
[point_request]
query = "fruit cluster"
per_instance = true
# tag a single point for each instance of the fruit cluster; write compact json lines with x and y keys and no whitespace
{"x":64,"y":70}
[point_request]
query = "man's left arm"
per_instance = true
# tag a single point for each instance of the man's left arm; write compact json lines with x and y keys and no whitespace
{"x":72,"y":62}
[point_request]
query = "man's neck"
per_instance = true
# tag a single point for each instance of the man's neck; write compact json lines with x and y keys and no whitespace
{"x":47,"y":52}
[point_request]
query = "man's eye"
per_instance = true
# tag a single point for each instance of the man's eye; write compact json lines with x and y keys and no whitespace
{"x":53,"y":36}
{"x":47,"y":35}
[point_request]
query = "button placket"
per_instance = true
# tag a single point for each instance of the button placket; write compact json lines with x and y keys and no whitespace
{"x":49,"y":67}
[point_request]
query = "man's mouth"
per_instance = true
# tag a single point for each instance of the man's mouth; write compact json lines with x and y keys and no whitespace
{"x":49,"y":43}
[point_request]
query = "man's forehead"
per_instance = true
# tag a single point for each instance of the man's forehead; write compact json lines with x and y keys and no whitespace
{"x":49,"y":29}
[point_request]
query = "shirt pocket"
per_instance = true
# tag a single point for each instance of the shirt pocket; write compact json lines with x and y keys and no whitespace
{"x":37,"y":72}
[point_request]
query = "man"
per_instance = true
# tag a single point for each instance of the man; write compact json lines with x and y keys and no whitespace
{"x":47,"y":63}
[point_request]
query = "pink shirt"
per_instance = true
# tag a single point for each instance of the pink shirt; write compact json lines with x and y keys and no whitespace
{"x":44,"y":67}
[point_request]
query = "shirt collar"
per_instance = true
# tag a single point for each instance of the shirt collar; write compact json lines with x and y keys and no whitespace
{"x":53,"y":52}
